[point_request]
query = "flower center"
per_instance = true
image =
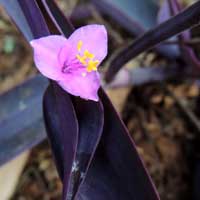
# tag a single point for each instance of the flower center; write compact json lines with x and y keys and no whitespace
{"x":87,"y":59}
{"x":66,"y":68}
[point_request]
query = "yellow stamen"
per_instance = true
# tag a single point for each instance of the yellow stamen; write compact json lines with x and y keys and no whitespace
{"x":87,"y":59}
{"x":81,"y":59}
{"x":92,"y":65}
{"x":79,"y":45}
{"x":88,"y":54}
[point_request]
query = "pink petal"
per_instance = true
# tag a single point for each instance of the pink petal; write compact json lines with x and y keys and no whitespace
{"x":67,"y":54}
{"x":46,"y":55}
{"x":84,"y":86}
{"x":94,"y":39}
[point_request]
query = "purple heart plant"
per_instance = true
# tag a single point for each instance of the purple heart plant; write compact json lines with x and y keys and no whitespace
{"x":95,"y":156}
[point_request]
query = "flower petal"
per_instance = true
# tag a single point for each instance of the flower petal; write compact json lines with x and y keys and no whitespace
{"x":84,"y":86}
{"x":46,"y":55}
{"x":93,"y":39}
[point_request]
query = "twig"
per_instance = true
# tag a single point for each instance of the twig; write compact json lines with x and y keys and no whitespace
{"x":189,"y":114}
{"x":192,"y":42}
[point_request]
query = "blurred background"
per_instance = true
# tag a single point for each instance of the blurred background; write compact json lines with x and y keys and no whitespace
{"x":155,"y":116}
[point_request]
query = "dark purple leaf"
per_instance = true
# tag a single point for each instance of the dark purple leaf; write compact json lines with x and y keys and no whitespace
{"x":135,"y":16}
{"x":21,"y":123}
{"x":62,"y":128}
{"x":64,"y":142}
{"x":61,"y":22}
{"x":38,"y":27}
{"x":27,"y":16}
{"x":184,"y":20}
{"x":90,"y":118}
{"x":81,"y":12}
{"x":116,"y":171}
{"x":63,"y":145}
{"x":34,"y":17}
{"x":15,"y":11}
{"x":60,"y":118}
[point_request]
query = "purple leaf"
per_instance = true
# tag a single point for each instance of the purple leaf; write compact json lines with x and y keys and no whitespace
{"x":135,"y":16}
{"x":32,"y":15}
{"x":121,"y":152}
{"x":27,"y":16}
{"x":61,"y":22}
{"x":21,"y":123}
{"x":184,"y":20}
{"x":90,"y":120}
{"x":62,"y":128}
{"x":81,"y":12}
{"x":15,"y":11}
{"x":116,"y":171}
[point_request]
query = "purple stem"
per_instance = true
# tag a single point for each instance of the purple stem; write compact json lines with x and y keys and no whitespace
{"x":184,"y":20}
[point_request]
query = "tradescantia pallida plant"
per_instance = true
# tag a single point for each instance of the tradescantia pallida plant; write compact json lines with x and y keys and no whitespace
{"x":93,"y":152}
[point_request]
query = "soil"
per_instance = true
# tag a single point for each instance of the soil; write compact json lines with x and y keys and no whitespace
{"x":160,"y":117}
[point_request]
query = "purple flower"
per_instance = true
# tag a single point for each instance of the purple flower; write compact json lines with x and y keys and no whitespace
{"x":73,"y":62}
